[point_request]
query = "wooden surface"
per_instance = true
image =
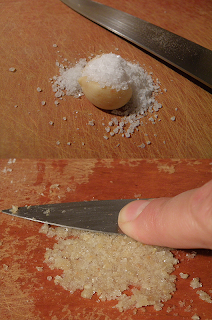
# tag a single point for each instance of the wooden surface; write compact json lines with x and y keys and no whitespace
{"x":28,"y":31}
{"x":25,"y":291}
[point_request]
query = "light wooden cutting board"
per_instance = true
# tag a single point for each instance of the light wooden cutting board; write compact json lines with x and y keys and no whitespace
{"x":29,"y":29}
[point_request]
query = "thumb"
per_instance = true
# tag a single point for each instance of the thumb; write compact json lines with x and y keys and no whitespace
{"x":184,"y":221}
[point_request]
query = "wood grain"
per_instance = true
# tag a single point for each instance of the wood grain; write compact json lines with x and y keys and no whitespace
{"x":25,"y":291}
{"x":28,"y":31}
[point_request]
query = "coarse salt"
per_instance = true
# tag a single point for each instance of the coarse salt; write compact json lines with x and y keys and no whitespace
{"x":114,"y":71}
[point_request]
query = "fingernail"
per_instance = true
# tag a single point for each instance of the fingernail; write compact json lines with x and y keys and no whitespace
{"x":132,"y":210}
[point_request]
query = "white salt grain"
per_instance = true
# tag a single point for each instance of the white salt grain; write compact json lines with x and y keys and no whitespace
{"x":43,"y":103}
{"x":195,"y":283}
{"x":91,"y":123}
{"x":12,"y":69}
{"x":39,"y":89}
{"x":204,"y":296}
{"x":142,"y":146}
{"x":184,"y":275}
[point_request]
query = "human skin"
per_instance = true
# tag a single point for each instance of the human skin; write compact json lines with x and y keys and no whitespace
{"x":184,"y":221}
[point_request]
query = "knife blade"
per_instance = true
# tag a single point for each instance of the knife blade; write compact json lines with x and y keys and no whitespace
{"x":185,"y":55}
{"x":99,"y":216}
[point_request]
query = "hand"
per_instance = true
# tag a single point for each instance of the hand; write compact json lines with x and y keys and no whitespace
{"x":184,"y":221}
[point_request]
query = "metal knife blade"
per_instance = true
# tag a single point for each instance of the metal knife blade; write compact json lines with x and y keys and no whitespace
{"x":87,"y":215}
{"x":185,"y":55}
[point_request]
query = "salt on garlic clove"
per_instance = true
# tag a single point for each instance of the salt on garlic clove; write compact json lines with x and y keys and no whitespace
{"x":105,"y":98}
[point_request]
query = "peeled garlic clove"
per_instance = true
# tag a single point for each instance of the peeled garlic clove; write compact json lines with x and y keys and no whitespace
{"x":104,"y":98}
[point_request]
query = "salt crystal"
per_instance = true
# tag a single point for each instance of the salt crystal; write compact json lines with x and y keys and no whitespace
{"x":58,"y":143}
{"x":39,"y":89}
{"x":12,"y":69}
{"x":51,"y":123}
{"x":142,"y":146}
{"x":55,"y":45}
{"x":184,"y":275}
{"x":43,"y":103}
{"x":195,"y":283}
{"x":64,"y":118}
{"x":173,"y":118}
{"x":91,"y":123}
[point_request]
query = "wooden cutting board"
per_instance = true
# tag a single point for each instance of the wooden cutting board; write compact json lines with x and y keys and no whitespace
{"x":29,"y":29}
{"x":26,"y":293}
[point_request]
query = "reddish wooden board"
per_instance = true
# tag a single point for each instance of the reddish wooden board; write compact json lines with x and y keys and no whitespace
{"x":28,"y":31}
{"x":25,"y":291}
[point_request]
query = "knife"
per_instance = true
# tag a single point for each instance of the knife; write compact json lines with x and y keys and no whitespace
{"x":185,"y":55}
{"x":98,"y":215}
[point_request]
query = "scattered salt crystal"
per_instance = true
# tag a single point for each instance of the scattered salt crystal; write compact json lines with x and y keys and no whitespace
{"x":64,"y":118}
{"x":51,"y":123}
{"x":142,"y":146}
{"x":5,"y":267}
{"x":12,"y":69}
{"x":49,"y":278}
{"x":16,"y":106}
{"x":55,"y":45}
{"x":56,"y":102}
{"x":39,"y":268}
{"x":39,"y":89}
{"x":107,"y":129}
{"x":195,"y":317}
{"x":43,"y":103}
{"x":195,"y":283}
{"x":91,"y":123}
{"x":105,"y":137}
{"x":173,"y":118}
{"x":148,"y":142}
{"x":184,"y":275}
{"x":204,"y":296}
{"x":69,"y":143}
{"x":58,"y":143}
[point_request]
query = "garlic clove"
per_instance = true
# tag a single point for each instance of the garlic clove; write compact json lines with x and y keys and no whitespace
{"x":105,"y":98}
